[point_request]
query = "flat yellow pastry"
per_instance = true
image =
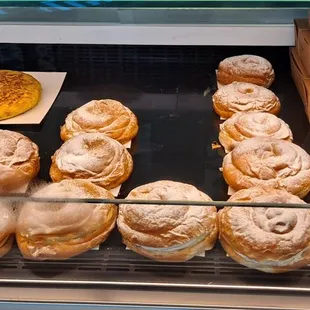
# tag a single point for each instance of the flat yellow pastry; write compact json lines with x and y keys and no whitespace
{"x":19,"y":92}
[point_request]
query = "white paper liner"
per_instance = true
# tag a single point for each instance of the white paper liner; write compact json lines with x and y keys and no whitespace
{"x":230,"y":191}
{"x":127,"y":145}
{"x":199,"y":255}
{"x":115,"y":191}
{"x":51,"y":83}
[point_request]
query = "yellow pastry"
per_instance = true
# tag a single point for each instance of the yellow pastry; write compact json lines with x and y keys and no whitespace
{"x":19,"y":92}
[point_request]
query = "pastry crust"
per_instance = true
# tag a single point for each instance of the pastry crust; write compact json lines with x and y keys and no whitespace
{"x":105,"y":116}
{"x":59,"y":231}
{"x":168,"y":233}
{"x":19,"y":161}
{"x":7,"y":229}
{"x":268,"y":162}
{"x":246,"y":125}
{"x":245,"y":68}
{"x":19,"y":92}
{"x":94,"y":157}
{"x":244,"y":97}
{"x":272,"y":240}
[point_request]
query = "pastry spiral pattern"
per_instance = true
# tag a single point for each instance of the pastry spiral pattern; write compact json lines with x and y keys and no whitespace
{"x":248,"y":125}
{"x":168,"y":233}
{"x":246,"y":68}
{"x":268,"y":239}
{"x":94,"y":157}
{"x":62,"y":230}
{"x":244,"y":97}
{"x":19,"y":160}
{"x":268,"y":162}
{"x":103,"y":116}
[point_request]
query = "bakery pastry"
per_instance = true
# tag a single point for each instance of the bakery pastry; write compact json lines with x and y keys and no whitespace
{"x":94,"y":157}
{"x":19,"y":92}
{"x":245,"y":68}
{"x":164,"y":232}
{"x":244,"y":97}
{"x":61,"y":230}
{"x":248,"y":125}
{"x":19,"y":161}
{"x":7,"y":229}
{"x":105,"y":116}
{"x":268,"y":239}
{"x":268,"y":162}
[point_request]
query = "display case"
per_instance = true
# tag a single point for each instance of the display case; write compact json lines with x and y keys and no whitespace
{"x":159,"y":58}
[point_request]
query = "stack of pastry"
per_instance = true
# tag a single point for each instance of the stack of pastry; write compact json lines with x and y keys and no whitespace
{"x":94,"y":135}
{"x":262,"y":165}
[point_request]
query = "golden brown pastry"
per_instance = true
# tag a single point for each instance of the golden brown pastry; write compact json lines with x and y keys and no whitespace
{"x":94,"y":157}
{"x":7,"y":229}
{"x":19,"y":92}
{"x":268,"y":239}
{"x":245,"y":68}
{"x":61,"y":230}
{"x":164,"y":232}
{"x":244,"y":97}
{"x":268,"y":162}
{"x":19,"y":161}
{"x":105,"y":116}
{"x":246,"y":125}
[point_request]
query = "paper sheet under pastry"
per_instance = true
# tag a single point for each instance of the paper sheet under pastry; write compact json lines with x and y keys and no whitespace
{"x":51,"y":83}
{"x":199,"y":255}
{"x":230,"y":191}
{"x":128,"y":145}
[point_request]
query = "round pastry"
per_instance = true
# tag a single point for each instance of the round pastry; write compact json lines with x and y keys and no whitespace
{"x":245,"y":68}
{"x":244,"y":97}
{"x":19,"y":161}
{"x":19,"y":92}
{"x":94,"y":157}
{"x":61,"y":230}
{"x":248,"y":125}
{"x":7,"y":229}
{"x":268,"y":239}
{"x":268,"y":162}
{"x":105,"y":116}
{"x":164,"y":232}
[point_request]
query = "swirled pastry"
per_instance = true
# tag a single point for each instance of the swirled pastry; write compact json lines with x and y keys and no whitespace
{"x":62,"y":230}
{"x":244,"y":97}
{"x":164,"y":232}
{"x":7,"y":229}
{"x":94,"y":157}
{"x":245,"y":68}
{"x":19,"y":161}
{"x":268,"y":162}
{"x":19,"y":92}
{"x":105,"y":116}
{"x":268,"y":239}
{"x":248,"y":125}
